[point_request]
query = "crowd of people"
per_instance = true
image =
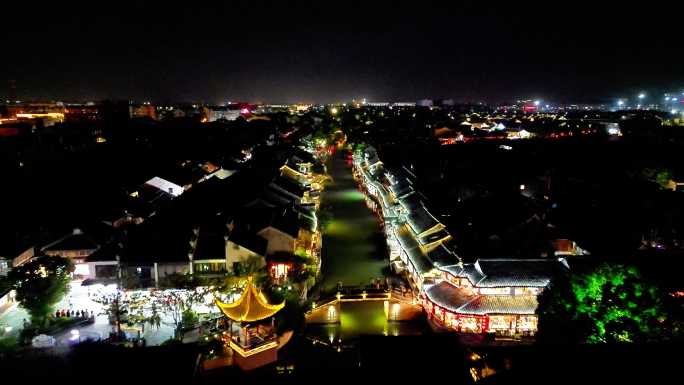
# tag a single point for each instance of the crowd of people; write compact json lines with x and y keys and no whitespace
{"x":73,"y":313}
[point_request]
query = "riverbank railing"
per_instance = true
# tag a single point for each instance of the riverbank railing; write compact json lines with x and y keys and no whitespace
{"x":363,"y":293}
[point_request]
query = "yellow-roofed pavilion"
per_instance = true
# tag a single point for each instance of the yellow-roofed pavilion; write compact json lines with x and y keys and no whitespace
{"x":255,"y":343}
{"x":250,"y":307}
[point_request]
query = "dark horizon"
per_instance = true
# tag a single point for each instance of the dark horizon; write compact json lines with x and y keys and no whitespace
{"x":382,"y":52}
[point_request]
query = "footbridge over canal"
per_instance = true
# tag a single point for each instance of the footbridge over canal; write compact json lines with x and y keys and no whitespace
{"x":397,"y":307}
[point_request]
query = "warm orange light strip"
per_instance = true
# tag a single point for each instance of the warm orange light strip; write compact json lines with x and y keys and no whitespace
{"x":47,"y":115}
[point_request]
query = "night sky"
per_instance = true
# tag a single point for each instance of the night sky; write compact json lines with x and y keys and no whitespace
{"x":322,"y":52}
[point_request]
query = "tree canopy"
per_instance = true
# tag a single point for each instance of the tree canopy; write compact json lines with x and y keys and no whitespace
{"x":658,"y":174}
{"x":41,"y":283}
{"x":324,"y":216}
{"x":182,"y":292}
{"x":613,"y":303}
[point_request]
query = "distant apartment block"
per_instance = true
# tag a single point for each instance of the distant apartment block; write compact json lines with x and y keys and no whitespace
{"x":215,"y":113}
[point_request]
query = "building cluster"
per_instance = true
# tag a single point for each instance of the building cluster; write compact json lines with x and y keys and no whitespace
{"x":199,"y":216}
{"x":491,"y":294}
{"x":478,"y":258}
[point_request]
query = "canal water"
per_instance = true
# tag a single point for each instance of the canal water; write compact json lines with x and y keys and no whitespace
{"x":354,"y":251}
{"x":353,"y":248}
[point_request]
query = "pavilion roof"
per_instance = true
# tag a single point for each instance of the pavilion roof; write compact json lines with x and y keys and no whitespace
{"x":250,"y":307}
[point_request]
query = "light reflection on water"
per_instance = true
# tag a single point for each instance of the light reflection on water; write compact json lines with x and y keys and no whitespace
{"x":362,"y":318}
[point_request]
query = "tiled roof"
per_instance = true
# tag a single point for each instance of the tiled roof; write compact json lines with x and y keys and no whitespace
{"x":372,"y":160}
{"x":290,"y":186}
{"x":284,"y":193}
{"x":415,"y":253}
{"x":307,"y":223}
{"x":71,"y":242}
{"x":401,"y":188}
{"x":448,"y":296}
{"x":293,"y":164}
{"x":181,"y":176}
{"x":500,"y":304}
{"x":210,"y":241}
{"x":455,"y":270}
{"x":512,"y":272}
{"x":106,"y":253}
{"x":153,"y":195}
{"x":421,"y":220}
{"x":412,"y":202}
{"x":137,"y":207}
{"x":251,"y":242}
{"x":250,"y":307}
{"x":473,"y":273}
{"x":440,"y":256}
{"x":437,"y":236}
{"x":369,"y":151}
{"x":387,"y":199}
{"x":399,"y":174}
{"x":270,"y":199}
{"x":151,"y":248}
{"x":257,"y":219}
{"x":286,"y":224}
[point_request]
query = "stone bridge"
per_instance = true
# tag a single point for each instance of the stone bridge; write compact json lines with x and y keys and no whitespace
{"x":396,"y":307}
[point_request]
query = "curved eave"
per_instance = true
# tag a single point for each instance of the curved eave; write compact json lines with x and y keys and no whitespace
{"x":249,"y":307}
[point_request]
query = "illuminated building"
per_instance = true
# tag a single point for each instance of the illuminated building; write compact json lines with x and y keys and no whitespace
{"x":75,"y":246}
{"x":224,"y":113}
{"x":254,"y":342}
{"x":489,"y":295}
{"x":144,"y":110}
{"x":301,"y":107}
{"x":492,"y":295}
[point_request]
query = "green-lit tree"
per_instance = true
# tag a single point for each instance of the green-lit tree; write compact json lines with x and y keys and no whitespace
{"x":324,"y":217}
{"x":40,"y":284}
{"x":613,"y":303}
{"x":658,"y":174}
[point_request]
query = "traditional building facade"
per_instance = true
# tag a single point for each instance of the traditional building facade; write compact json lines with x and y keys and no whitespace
{"x":493,"y":295}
